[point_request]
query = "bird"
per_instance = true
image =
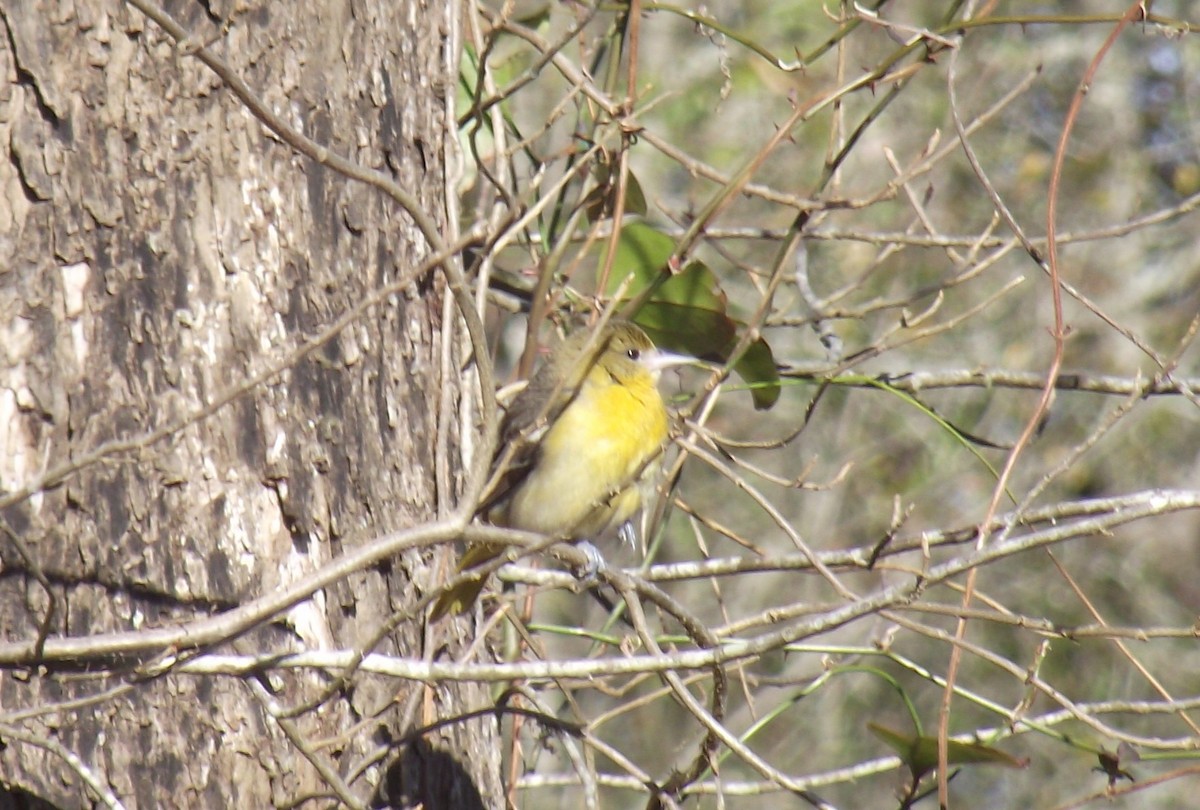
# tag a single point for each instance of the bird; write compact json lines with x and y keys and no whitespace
{"x":584,"y":438}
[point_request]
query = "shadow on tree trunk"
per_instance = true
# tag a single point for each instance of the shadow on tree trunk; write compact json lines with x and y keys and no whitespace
{"x":425,"y":777}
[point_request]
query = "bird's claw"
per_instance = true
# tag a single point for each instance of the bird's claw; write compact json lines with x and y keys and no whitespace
{"x":587,"y":573}
{"x":628,"y":534}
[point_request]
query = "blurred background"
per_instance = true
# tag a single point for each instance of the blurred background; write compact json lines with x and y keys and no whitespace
{"x":912,"y":333}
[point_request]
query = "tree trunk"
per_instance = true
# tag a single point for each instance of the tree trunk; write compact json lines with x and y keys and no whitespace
{"x":158,"y":250}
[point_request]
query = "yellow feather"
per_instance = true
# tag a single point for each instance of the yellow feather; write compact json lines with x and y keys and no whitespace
{"x":599,"y":446}
{"x":588,"y":470}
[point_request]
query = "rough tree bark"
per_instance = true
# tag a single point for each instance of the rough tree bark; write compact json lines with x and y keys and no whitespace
{"x":157,"y":249}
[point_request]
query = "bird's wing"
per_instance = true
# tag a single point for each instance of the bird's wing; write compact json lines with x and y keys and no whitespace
{"x":532,"y":411}
{"x":526,"y":421}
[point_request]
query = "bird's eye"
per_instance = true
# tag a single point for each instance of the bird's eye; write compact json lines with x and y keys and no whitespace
{"x":633,"y":354}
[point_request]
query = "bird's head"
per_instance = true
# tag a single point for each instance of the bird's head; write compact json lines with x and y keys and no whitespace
{"x":629,"y":356}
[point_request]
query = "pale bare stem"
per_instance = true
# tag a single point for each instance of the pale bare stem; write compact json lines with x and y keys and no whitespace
{"x":780,"y":521}
{"x":734,"y":788}
{"x":772,"y":616}
{"x":876,"y":305}
{"x":638,"y":777}
{"x":534,"y":647}
{"x":729,"y":442}
{"x":499,"y":21}
{"x":64,"y":706}
{"x":1120,"y":645}
{"x":1014,"y":725}
{"x":496,"y":171}
{"x":998,"y":616}
{"x":1021,"y":710}
{"x":718,"y":566}
{"x":817,"y":308}
{"x":713,"y":582}
{"x":1077,"y":711}
{"x":698,"y":168}
{"x":628,"y":588}
{"x":1138,"y":393}
{"x":917,"y":381}
{"x":560,"y":109}
{"x":648,"y":696}
{"x":800,"y":481}
{"x":517,"y":227}
{"x":918,"y":206}
{"x":716,"y":527}
{"x":97,"y":783}
{"x":837,"y":130}
{"x":1069,"y":459}
{"x":615,"y":688}
{"x":969,"y":268}
{"x":900,"y":33}
{"x":1016,"y":722}
{"x":241,"y":665}
{"x":1161,"y":216}
{"x":451,"y":348}
{"x":1106,"y":512}
{"x":45,"y":624}
{"x":1185,"y":342}
{"x":1055,"y":366}
{"x":103,"y":647}
{"x":1111,"y":793}
{"x":905,"y":238}
{"x":935,"y":157}
{"x":724,"y":789}
{"x":149,"y":642}
{"x":882,"y":344}
{"x":717,"y":730}
{"x":288,"y":726}
{"x":496,"y":214}
{"x":454,"y":339}
{"x":856,"y":283}
{"x":584,"y":765}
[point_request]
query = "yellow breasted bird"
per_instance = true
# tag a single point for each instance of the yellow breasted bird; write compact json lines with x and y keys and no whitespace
{"x":583,"y":472}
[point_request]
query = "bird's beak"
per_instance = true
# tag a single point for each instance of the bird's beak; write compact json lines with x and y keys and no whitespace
{"x":658,"y":360}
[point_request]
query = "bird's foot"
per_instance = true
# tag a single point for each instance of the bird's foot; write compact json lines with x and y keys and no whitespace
{"x":587,"y":573}
{"x":628,"y":534}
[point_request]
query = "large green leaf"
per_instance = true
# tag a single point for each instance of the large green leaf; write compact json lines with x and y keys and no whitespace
{"x":686,"y":311}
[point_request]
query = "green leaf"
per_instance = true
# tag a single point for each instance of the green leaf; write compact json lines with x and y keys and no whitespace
{"x":711,"y":335}
{"x":642,"y":252}
{"x":686,"y":311}
{"x":757,"y":367}
{"x":697,"y":331}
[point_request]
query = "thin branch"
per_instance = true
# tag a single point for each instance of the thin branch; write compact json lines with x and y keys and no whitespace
{"x":96,"y":782}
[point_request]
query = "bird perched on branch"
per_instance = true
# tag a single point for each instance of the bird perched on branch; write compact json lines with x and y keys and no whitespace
{"x":577,"y":447}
